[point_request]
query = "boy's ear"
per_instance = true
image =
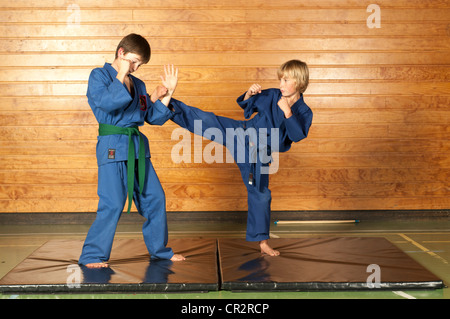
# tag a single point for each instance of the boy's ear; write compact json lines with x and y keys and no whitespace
{"x":120,"y":52}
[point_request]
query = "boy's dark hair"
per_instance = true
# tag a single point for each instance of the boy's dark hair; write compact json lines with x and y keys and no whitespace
{"x":136,"y":44}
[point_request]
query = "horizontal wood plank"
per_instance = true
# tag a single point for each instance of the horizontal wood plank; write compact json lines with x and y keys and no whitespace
{"x":326,"y":132}
{"x":224,"y":75}
{"x":232,"y":175}
{"x":217,"y":4}
{"x":314,"y":153}
{"x":282,"y":15}
{"x":234,"y":89}
{"x":235,"y":191}
{"x":330,"y":116}
{"x":274,"y":58}
{"x":202,"y":44}
{"x":228,"y":103}
{"x":301,"y":204}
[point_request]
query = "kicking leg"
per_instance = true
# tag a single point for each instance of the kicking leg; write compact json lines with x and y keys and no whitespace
{"x":186,"y":117}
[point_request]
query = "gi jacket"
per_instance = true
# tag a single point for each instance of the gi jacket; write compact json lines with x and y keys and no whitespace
{"x":113,"y":104}
{"x":271,"y":116}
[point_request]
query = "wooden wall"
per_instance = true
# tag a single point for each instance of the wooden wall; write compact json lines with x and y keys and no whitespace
{"x":380,"y":97}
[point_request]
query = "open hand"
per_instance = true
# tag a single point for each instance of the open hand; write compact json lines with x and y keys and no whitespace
{"x":170,"y":78}
{"x":170,"y":81}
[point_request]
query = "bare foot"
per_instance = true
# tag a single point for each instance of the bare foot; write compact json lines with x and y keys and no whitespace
{"x":266,"y":249}
{"x":177,"y":257}
{"x":97,"y":265}
{"x":158,"y":93}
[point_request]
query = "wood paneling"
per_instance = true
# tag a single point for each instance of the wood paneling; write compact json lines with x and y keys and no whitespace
{"x":380,"y":138}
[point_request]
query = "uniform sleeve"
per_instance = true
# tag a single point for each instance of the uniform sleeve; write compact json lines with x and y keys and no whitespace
{"x":257,"y":103}
{"x":297,"y":126}
{"x":106,"y":95}
{"x":158,"y":113}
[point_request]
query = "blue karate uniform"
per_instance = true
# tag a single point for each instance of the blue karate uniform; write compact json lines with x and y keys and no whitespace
{"x":113,"y":104}
{"x":253,"y":166}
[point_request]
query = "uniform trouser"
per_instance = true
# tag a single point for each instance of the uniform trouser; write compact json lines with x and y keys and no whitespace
{"x":112,"y":192}
{"x":258,"y":195}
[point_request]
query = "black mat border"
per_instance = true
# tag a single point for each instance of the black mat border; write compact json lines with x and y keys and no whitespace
{"x":329,"y":286}
{"x":109,"y":288}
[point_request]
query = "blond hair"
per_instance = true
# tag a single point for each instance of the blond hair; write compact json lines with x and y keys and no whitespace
{"x":296,"y":70}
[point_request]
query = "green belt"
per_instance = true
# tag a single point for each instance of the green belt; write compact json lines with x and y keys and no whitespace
{"x":106,"y":129}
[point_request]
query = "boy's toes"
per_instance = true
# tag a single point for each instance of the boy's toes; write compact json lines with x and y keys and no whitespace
{"x":177,"y":257}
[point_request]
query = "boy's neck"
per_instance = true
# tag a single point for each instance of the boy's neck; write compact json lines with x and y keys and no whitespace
{"x":292,"y":99}
{"x":115,"y":65}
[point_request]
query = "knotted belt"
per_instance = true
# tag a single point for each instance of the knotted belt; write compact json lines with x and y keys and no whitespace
{"x":106,"y":129}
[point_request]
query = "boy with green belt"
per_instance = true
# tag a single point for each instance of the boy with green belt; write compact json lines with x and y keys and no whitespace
{"x":121,"y":104}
